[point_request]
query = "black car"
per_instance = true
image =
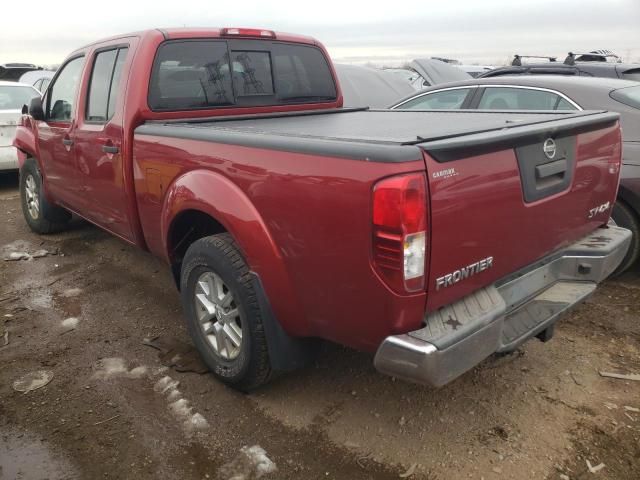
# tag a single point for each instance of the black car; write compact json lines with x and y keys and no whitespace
{"x":551,"y":92}
{"x":625,"y":71}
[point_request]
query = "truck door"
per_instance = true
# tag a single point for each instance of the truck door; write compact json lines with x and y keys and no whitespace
{"x":99,"y":142}
{"x":56,"y":133}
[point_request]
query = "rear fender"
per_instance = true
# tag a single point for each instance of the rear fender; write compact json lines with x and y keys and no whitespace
{"x":222,"y":200}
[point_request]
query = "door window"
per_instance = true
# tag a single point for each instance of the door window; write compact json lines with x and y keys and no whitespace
{"x":103,"y":88}
{"x":443,"y":100}
{"x":501,"y":98}
{"x":62,"y":98}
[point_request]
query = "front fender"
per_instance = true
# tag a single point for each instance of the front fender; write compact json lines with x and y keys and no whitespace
{"x":25,"y":142}
{"x":221,"y":199}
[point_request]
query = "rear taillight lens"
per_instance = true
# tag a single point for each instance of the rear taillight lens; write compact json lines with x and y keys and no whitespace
{"x":400,"y":231}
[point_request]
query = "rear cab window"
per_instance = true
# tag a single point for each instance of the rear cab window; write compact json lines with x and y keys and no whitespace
{"x":204,"y":74}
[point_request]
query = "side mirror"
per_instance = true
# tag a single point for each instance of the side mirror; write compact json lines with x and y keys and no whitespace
{"x":35,"y":108}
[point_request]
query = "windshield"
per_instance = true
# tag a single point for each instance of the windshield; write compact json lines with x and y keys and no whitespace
{"x":629,"y":96}
{"x":13,"y":98}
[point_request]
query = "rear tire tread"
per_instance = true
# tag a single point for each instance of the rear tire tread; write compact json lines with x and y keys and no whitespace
{"x":625,"y":217}
{"x":259,"y":369}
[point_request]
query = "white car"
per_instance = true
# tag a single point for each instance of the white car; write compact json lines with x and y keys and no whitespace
{"x":13,"y":96}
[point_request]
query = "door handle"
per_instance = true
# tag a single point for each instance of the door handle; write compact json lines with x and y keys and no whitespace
{"x":67,"y":141}
{"x":110,"y":149}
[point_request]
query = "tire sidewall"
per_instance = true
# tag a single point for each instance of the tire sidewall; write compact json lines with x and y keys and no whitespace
{"x":625,"y":218}
{"x":201,"y":260}
{"x":30,"y":168}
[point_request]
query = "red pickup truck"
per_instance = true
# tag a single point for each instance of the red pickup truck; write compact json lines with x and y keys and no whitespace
{"x":434,"y":239}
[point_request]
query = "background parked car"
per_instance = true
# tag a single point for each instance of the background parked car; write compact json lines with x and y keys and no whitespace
{"x":13,"y":96}
{"x":38,"y":78}
{"x":371,"y":87}
{"x":475,"y":70}
{"x":435,"y":72}
{"x":11,"y":72}
{"x":626,"y":71}
{"x":551,"y":92}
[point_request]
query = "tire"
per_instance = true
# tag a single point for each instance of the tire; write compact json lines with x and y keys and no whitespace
{"x":244,"y":367}
{"x":41,"y":216}
{"x":625,"y":217}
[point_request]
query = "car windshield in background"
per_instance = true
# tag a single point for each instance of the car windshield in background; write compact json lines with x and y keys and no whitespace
{"x":13,"y":98}
{"x":629,"y":96}
{"x":190,"y":75}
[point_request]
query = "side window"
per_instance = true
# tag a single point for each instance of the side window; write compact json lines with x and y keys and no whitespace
{"x":38,"y":84}
{"x":443,"y":100}
{"x":564,"y":105}
{"x":45,"y":84}
{"x":103,"y":87}
{"x":497,"y":98}
{"x":114,"y":89}
{"x":61,"y":102}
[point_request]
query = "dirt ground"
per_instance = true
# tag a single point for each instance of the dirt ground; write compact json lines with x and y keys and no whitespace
{"x":112,"y":411}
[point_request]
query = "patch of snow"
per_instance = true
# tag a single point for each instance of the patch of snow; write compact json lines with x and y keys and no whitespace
{"x":72,"y":292}
{"x":70,"y":323}
{"x":117,"y":367}
{"x":138,"y":372}
{"x":32,"y":381}
{"x":174,"y":395}
{"x":181,"y":407}
{"x":165,"y":384}
{"x":196,"y":422}
{"x":110,"y":367}
{"x":251,"y":463}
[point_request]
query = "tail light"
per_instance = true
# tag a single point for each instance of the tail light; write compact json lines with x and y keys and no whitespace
{"x":247,"y":32}
{"x":400,"y":231}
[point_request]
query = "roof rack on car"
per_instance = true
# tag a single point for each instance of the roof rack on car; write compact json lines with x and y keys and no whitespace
{"x":517,"y":59}
{"x":597,"y":56}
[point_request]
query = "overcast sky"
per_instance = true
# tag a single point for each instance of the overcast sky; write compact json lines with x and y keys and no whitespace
{"x":485,"y":31}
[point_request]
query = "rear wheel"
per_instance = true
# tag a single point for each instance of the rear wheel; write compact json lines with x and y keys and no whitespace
{"x":224,"y":318}
{"x":40,"y":215}
{"x":624,"y":217}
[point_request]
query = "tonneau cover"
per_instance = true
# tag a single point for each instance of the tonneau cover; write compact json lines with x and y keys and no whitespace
{"x":361,"y":132}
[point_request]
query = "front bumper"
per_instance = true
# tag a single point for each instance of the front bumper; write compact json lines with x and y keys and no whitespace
{"x":500,"y":317}
{"x":8,"y":158}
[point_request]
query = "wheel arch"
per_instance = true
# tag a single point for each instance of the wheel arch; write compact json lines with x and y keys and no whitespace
{"x":630,"y":197}
{"x":210,"y":203}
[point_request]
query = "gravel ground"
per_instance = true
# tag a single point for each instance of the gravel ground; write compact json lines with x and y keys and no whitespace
{"x":112,"y":409}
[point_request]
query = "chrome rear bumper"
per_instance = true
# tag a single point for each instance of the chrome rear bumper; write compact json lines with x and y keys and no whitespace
{"x":502,"y":316}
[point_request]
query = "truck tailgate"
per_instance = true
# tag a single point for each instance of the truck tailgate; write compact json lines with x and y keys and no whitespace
{"x":502,"y":200}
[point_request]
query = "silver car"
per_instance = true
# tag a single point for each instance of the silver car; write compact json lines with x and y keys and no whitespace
{"x":557,"y":92}
{"x":12,"y":97}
